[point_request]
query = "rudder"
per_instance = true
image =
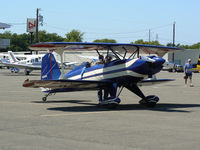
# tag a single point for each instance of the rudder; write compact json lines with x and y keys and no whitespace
{"x":12,"y":57}
{"x":50,"y":69}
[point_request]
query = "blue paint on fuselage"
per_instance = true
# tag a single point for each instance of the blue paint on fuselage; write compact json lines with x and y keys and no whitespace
{"x":139,"y":66}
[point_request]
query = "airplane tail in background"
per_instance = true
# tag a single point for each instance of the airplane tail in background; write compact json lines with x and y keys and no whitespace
{"x":12,"y":57}
{"x":50,"y":69}
{"x":198,"y":64}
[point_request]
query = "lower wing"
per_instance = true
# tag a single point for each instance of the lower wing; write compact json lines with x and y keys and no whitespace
{"x":153,"y":81}
{"x":69,"y":84}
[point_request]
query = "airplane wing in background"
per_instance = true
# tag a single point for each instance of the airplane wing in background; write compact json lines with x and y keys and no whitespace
{"x":22,"y":66}
{"x":120,"y":47}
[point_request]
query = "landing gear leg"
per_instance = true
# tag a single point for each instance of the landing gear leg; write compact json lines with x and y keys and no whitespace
{"x":112,"y":101}
{"x":149,"y":101}
{"x":44,"y":99}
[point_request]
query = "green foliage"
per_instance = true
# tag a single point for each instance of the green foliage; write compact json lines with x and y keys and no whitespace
{"x":140,"y":41}
{"x":105,"y":41}
{"x":74,"y":36}
{"x":17,"y":42}
{"x":49,"y":37}
{"x":21,"y":42}
{"x":194,"y":46}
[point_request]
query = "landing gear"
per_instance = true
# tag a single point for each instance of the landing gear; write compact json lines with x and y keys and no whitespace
{"x":26,"y":72}
{"x":149,"y":101}
{"x":44,"y":99}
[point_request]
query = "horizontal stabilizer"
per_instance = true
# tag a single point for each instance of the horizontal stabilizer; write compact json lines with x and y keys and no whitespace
{"x":70,"y":84}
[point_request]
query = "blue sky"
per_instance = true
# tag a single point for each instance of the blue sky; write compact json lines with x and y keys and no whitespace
{"x":122,"y":20}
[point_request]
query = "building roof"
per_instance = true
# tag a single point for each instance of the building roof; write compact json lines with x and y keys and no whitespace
{"x":4,"y":25}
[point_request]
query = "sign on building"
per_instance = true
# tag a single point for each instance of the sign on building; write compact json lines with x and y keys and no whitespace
{"x":31,"y":25}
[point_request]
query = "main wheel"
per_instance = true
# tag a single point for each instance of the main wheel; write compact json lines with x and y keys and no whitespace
{"x":149,"y":101}
{"x":26,"y":73}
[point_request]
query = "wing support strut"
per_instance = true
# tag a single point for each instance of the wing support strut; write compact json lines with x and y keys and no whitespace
{"x":137,"y":51}
{"x":124,"y":53}
{"x":61,"y":53}
{"x":135,"y":89}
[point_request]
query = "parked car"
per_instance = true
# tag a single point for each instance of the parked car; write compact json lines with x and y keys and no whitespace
{"x":167,"y":66}
{"x":179,"y":68}
{"x":194,"y":68}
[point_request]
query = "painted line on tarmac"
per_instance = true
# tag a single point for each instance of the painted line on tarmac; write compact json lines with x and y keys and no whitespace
{"x":70,"y":114}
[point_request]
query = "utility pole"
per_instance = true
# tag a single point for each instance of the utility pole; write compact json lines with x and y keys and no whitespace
{"x":36,"y":35}
{"x":31,"y":40}
{"x":149,"y":35}
{"x":156,"y":37}
{"x":173,"y":44}
{"x":174,"y":34}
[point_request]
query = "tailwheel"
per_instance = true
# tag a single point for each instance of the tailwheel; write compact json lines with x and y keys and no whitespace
{"x":149,"y":101}
{"x":44,"y":99}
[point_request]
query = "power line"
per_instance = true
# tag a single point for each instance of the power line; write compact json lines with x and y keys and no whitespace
{"x":17,"y":23}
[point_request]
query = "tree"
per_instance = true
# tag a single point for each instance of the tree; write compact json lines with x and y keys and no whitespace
{"x":194,"y":46}
{"x":21,"y":42}
{"x":105,"y":41}
{"x":49,"y":37}
{"x":140,"y":41}
{"x":74,"y":36}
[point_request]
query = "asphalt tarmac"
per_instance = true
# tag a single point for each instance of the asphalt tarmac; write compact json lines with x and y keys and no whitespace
{"x":73,"y":121}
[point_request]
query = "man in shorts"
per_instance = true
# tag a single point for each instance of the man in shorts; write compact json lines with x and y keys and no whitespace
{"x":188,"y":72}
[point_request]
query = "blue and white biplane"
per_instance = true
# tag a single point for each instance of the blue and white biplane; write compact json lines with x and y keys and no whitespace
{"x":127,"y":69}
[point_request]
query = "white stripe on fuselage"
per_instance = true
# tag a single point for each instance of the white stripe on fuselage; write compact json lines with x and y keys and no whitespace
{"x":109,"y":75}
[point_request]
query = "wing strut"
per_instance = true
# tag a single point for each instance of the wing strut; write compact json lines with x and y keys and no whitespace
{"x":61,"y":53}
{"x":124,"y":53}
{"x":134,"y":53}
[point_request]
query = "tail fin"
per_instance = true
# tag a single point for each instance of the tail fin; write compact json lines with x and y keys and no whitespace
{"x":12,"y":57}
{"x":50,"y":69}
{"x":198,"y":64}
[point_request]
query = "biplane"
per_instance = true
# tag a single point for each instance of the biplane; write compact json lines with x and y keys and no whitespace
{"x":127,"y":69}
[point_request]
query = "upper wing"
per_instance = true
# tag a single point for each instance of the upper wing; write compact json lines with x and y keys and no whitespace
{"x":23,"y":66}
{"x":70,"y":84}
{"x":120,"y":47}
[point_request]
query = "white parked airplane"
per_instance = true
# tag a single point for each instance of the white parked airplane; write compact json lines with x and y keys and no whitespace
{"x":29,"y":62}
{"x":32,"y":62}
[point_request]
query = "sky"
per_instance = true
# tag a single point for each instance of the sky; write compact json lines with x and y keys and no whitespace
{"x":123,"y":20}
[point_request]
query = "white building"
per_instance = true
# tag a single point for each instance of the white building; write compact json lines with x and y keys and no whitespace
{"x":181,"y":57}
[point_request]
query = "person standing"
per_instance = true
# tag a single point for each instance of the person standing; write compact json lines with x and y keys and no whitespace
{"x":188,"y":72}
{"x":100,"y":91}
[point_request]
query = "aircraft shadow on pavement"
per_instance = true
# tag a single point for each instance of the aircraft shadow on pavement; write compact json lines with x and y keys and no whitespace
{"x":93,"y":107}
